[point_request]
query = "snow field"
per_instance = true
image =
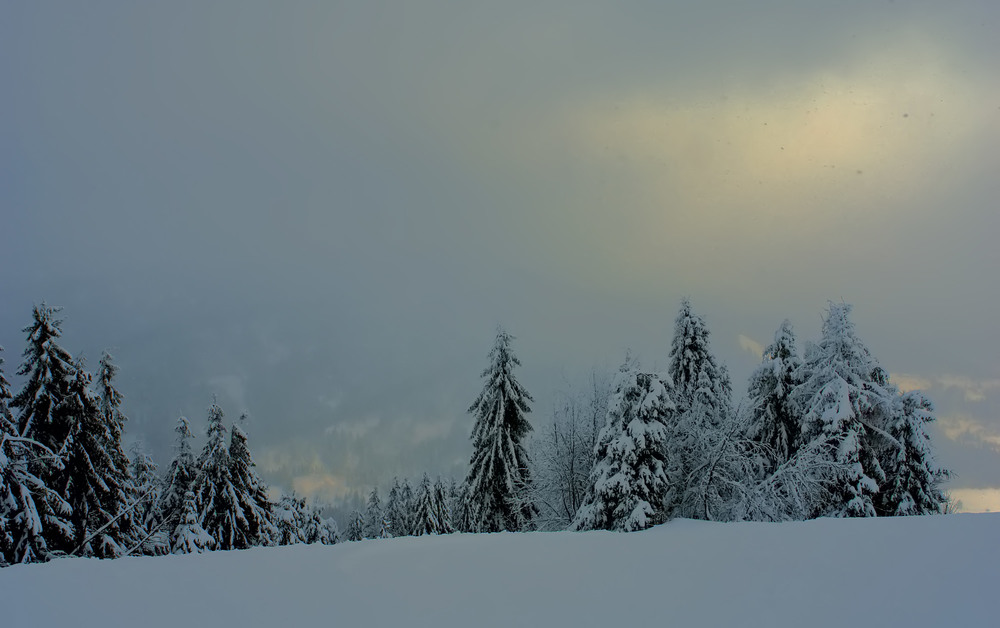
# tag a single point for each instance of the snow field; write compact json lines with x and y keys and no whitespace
{"x":903,"y":571}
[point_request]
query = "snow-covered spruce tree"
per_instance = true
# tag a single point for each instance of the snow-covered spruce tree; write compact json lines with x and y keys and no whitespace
{"x":27,"y":505}
{"x":290,"y":517}
{"x":180,"y":479}
{"x":109,"y":403}
{"x":913,"y":484}
{"x":452,"y":501}
{"x":255,"y":524}
{"x":431,"y":517}
{"x":499,"y":479}
{"x":775,"y":423}
{"x":844,"y":407}
{"x":692,"y":366}
{"x":98,"y":485}
{"x":629,"y":484}
{"x":374,"y":518}
{"x":148,"y":484}
{"x":49,"y":370}
{"x":188,"y":537}
{"x":316,"y":529}
{"x":703,"y":397}
{"x":459,"y":508}
{"x":356,"y":527}
{"x":444,"y":510}
{"x":213,"y":486}
{"x":409,"y":505}
{"x":395,"y":510}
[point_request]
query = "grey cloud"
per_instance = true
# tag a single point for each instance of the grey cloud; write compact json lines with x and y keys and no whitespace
{"x":286,"y":205}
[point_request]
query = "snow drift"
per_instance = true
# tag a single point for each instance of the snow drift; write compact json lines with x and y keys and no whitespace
{"x":912,"y":571}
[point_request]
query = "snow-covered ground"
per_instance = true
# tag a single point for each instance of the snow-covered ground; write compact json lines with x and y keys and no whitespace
{"x":919,"y":571}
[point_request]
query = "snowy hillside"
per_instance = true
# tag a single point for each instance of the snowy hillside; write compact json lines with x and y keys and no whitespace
{"x":916,"y":571}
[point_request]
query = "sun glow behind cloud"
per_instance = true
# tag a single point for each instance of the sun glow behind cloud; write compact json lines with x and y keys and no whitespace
{"x":862,"y":136}
{"x":820,"y":160}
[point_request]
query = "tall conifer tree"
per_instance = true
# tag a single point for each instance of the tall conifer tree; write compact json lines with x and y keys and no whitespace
{"x":431,"y":517}
{"x":49,"y":371}
{"x":374,"y":516}
{"x":148,"y":484}
{"x":213,"y":486}
{"x":703,"y":396}
{"x":844,"y":405}
{"x":499,"y":476}
{"x":775,"y":423}
{"x":30,"y":511}
{"x":914,"y":478}
{"x":395,"y":510}
{"x":188,"y":537}
{"x":253,"y":517}
{"x":180,"y":479}
{"x":98,"y":485}
{"x":692,"y":366}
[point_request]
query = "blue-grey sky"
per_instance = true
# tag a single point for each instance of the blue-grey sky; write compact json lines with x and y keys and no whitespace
{"x":320,"y":211}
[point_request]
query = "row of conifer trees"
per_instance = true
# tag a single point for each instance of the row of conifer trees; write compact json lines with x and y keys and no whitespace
{"x":824,"y":433}
{"x":821,"y":434}
{"x":67,"y":486}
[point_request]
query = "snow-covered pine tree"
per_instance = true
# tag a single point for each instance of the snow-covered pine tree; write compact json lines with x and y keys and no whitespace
{"x":409,"y":505}
{"x":843,"y":406}
{"x":373,"y":516}
{"x":27,"y":505}
{"x":395,"y":511}
{"x":180,"y":479}
{"x":290,"y":517}
{"x":441,"y":504}
{"x":317,"y":529}
{"x":459,"y":505}
{"x":629,"y":484}
{"x":253,"y":510}
{"x":453,"y":500}
{"x":425,"y":521}
{"x":703,"y":397}
{"x":430,"y":515}
{"x":775,"y":423}
{"x":98,"y":485}
{"x":499,"y":477}
{"x":48,"y":370}
{"x":109,"y":403}
{"x":148,"y":483}
{"x":913,"y":477}
{"x":356,"y":527}
{"x":692,"y":366}
{"x":189,"y":537}
{"x":213,"y":486}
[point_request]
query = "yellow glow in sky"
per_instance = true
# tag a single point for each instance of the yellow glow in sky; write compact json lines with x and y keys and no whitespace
{"x":876,"y":132}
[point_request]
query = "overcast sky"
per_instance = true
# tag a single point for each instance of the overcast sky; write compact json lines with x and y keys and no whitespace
{"x":320,"y":211}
